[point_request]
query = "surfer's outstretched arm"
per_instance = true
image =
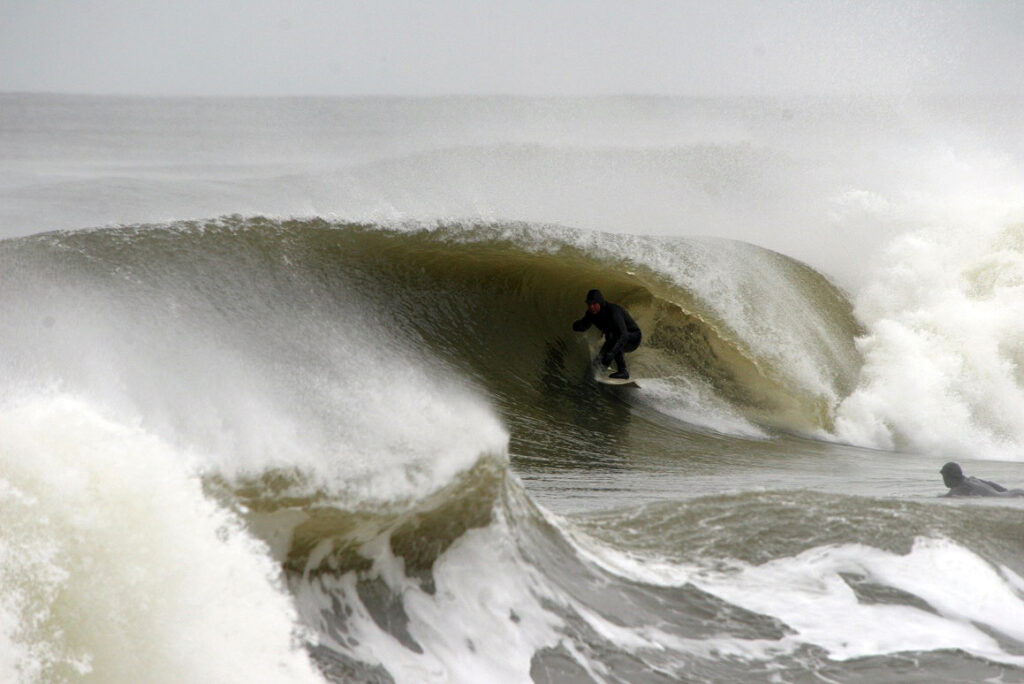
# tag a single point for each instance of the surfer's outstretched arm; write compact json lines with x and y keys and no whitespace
{"x":582,"y":324}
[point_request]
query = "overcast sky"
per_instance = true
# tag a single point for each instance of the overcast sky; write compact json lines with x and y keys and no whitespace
{"x":548,"y":47}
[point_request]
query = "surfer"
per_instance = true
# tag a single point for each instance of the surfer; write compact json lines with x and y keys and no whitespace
{"x":953,"y":477}
{"x":621,"y":333}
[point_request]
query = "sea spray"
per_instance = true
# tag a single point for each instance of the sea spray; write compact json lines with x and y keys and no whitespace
{"x":943,"y":359}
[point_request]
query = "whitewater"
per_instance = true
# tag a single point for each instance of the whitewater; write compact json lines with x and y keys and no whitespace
{"x":289,"y":390}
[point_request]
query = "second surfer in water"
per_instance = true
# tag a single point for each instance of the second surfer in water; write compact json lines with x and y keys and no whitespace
{"x":960,"y":485}
{"x":621,"y":333}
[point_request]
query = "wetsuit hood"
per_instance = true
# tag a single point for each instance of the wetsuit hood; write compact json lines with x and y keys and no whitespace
{"x":952,"y":473}
{"x":595,"y":296}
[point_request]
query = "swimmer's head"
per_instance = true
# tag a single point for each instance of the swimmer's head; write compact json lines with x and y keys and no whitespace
{"x":952,"y":474}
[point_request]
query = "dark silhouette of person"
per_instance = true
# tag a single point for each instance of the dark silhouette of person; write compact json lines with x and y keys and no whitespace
{"x":621,"y":333}
{"x":959,"y":485}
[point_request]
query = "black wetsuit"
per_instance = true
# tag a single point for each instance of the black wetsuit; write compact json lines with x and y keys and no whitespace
{"x":621,"y":333}
{"x":973,"y":486}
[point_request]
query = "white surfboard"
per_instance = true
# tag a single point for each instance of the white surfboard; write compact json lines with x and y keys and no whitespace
{"x":605,"y":380}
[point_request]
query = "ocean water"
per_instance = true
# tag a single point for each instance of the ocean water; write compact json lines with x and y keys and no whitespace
{"x":289,"y":392}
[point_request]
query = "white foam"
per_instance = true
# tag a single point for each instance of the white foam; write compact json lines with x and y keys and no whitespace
{"x":944,"y":367}
{"x":483,"y":623}
{"x":697,"y":404}
{"x":652,"y":639}
{"x":115,"y":566}
{"x":809,"y":595}
{"x":403,"y":432}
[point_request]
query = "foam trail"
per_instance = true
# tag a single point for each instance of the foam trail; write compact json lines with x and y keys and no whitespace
{"x":115,"y":567}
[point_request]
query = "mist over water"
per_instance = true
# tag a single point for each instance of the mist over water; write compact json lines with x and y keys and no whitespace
{"x":826,"y":181}
{"x":317,"y":352}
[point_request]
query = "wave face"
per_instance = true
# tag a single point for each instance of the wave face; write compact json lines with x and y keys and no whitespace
{"x":486,"y":302}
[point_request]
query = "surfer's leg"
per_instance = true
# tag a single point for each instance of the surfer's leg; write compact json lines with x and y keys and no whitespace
{"x":631,"y":343}
{"x":620,"y":362}
{"x":605,"y":348}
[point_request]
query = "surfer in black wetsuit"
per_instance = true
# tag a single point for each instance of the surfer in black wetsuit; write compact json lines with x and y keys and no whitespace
{"x":953,"y":477}
{"x":621,"y":333}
